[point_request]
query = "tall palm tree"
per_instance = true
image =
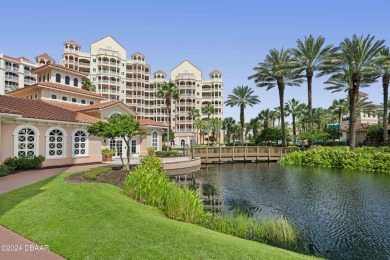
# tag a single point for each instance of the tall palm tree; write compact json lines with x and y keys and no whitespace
{"x":292,"y":108}
{"x":383,"y":64}
{"x":215,"y":125}
{"x":254,"y":125}
{"x":310,"y":55}
{"x":278,"y":69}
{"x":169,"y":92}
{"x":202,"y":127}
{"x":241,"y":97}
{"x":339,"y":106}
{"x":356,"y":61}
{"x":321,"y":118}
{"x":228,"y":124}
{"x":194,"y":113}
{"x":209,"y":110}
{"x":302,"y":118}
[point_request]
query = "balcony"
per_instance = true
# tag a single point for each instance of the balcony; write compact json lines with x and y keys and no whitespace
{"x":10,"y":68}
{"x":70,"y":51}
{"x":29,"y":82}
{"x":12,"y":78}
{"x":27,"y":73}
{"x":85,"y":64}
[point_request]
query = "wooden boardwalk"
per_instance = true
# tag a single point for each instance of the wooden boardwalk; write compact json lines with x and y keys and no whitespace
{"x":239,"y":153}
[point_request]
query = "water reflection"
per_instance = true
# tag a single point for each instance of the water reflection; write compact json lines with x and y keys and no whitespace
{"x":340,"y":214}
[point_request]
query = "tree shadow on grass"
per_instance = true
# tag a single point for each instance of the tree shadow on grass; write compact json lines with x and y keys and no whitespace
{"x":13,"y":198}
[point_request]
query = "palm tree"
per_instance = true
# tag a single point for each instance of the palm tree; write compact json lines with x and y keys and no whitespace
{"x":355,"y":64}
{"x":241,"y":97}
{"x":86,"y":84}
{"x":265,"y":116}
{"x":339,"y":106}
{"x":302,"y":118}
{"x":278,"y":70}
{"x":209,"y":110}
{"x":321,"y":118}
{"x":202,"y":127}
{"x":228,"y":124}
{"x":292,"y":108}
{"x":254,"y":125}
{"x":310,"y":56}
{"x":383,"y":64}
{"x":194,"y":113}
{"x":215,"y":125}
{"x":169,"y":92}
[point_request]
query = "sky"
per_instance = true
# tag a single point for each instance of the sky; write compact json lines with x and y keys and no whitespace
{"x":231,"y":36}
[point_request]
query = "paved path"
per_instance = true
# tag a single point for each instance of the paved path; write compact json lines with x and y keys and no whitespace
{"x":26,"y":249}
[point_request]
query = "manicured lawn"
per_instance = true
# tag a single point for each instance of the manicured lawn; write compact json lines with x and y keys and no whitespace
{"x":96,"y":221}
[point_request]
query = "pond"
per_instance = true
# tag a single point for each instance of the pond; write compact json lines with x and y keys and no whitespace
{"x":339,"y":214}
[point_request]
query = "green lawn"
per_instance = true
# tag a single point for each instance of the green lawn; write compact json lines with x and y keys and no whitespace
{"x":96,"y":221}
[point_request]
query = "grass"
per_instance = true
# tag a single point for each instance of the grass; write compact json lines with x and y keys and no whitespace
{"x":92,"y":174}
{"x":97,"y":221}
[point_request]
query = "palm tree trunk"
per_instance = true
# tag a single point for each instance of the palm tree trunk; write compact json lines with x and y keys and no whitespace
{"x":242,"y":119}
{"x":294,"y":131}
{"x":281,"y":100}
{"x":169,"y":126}
{"x":385,"y":80}
{"x":353,"y":115}
{"x":309,"y":76}
{"x":340,"y":117}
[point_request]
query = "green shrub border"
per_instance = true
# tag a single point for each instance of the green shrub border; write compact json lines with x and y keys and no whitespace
{"x":92,"y":174}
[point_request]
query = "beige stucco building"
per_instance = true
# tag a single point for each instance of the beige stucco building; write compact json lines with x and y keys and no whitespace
{"x":119,"y":75}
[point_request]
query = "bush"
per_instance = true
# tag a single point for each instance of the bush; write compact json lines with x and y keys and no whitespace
{"x":4,"y":170}
{"x":94,"y":173}
{"x":167,"y":153}
{"x":22,"y":163}
{"x":363,"y":158}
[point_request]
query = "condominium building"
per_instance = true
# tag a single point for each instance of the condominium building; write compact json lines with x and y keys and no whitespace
{"x":118,"y":78}
{"x":15,"y":73}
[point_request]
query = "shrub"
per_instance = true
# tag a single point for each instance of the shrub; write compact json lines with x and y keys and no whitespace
{"x":167,"y":153}
{"x":24,"y":162}
{"x":108,"y":151}
{"x":92,"y":174}
{"x":4,"y":170}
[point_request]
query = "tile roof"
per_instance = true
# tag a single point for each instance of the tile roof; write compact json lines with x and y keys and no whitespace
{"x":61,"y":67}
{"x":39,"y":109}
{"x":18,"y":59}
{"x":146,"y":122}
{"x":159,"y":71}
{"x":45,"y":55}
{"x":215,"y":72}
{"x":71,"y":41}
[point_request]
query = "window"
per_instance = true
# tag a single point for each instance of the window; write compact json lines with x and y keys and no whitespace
{"x":91,"y":102}
{"x":94,"y":60}
{"x":74,"y":100}
{"x":75,"y":82}
{"x":36,"y":95}
{"x":133,"y":146}
{"x":55,"y":143}
{"x":44,"y":78}
{"x":94,"y":69}
{"x":83,"y":101}
{"x":79,"y":143}
{"x":53,"y":96}
{"x":94,"y":79}
{"x":58,"y":78}
{"x":67,"y":80}
{"x":155,"y":140}
{"x":26,"y":141}
{"x":64,"y":98}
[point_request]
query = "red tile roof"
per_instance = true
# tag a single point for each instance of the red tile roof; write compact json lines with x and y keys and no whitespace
{"x":215,"y":72}
{"x":159,"y":71}
{"x":39,"y":109}
{"x":71,"y":41}
{"x":18,"y":59}
{"x":62,"y":68}
{"x":44,"y":55}
{"x":69,"y":89}
{"x":150,"y":122}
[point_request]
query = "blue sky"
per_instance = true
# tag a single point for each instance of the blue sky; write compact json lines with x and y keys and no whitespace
{"x":231,"y":36}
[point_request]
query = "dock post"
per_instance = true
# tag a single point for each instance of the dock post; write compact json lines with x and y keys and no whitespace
{"x":193,"y":150}
{"x":207,"y":154}
{"x":220,"y":151}
{"x":269,"y":153}
{"x":257,"y":153}
{"x":233,"y":153}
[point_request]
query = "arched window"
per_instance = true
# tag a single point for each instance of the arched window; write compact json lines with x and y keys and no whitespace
{"x":79,"y":143}
{"x":155,"y":140}
{"x":75,"y":82}
{"x":67,"y":80}
{"x":55,"y":143}
{"x":58,"y":78}
{"x":26,"y":141}
{"x":183,"y":142}
{"x":44,"y":78}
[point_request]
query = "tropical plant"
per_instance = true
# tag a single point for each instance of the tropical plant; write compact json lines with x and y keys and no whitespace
{"x":227,"y":125}
{"x":355,"y":64}
{"x":254,"y":125}
{"x":242,"y":96}
{"x":292,"y":108}
{"x":215,"y":126}
{"x":269,"y":135}
{"x":339,"y":106}
{"x":266,"y":115}
{"x":209,"y":110}
{"x":194,"y":113}
{"x":118,"y":126}
{"x":201,"y":125}
{"x":321,"y":118}
{"x":169,"y":92}
{"x":86,"y":84}
{"x":383,"y":64}
{"x":278,"y":69}
{"x":310,"y":55}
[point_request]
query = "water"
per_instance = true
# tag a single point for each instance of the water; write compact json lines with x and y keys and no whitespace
{"x":340,"y":214}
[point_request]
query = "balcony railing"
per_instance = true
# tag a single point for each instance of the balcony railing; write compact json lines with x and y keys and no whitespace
{"x":84,"y":64}
{"x":11,"y":77}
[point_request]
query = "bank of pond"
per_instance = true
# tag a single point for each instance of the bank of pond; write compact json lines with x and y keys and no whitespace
{"x":369,"y":159}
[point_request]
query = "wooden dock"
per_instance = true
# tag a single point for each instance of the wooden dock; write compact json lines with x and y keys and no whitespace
{"x":239,"y":153}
